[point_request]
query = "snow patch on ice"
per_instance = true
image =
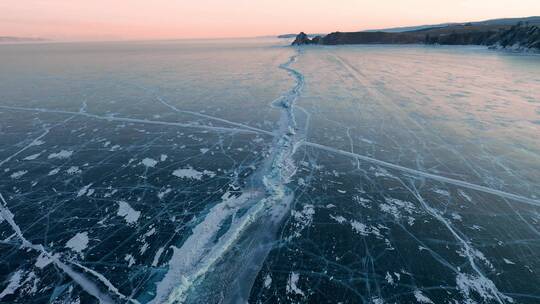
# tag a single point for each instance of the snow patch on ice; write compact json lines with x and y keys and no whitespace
{"x":18,"y":174}
{"x":161,"y":194}
{"x":150,"y":232}
{"x":365,"y":230}
{"x":73,"y":170}
{"x":38,"y":142}
{"x":381,"y":172}
{"x":157,"y":256}
{"x":376,"y":300}
{"x":79,"y":242}
{"x":456,"y":216}
{"x":364,"y":202}
{"x":507,"y":261}
{"x":303,"y":218}
{"x":267,"y":281}
{"x":61,"y":155}
{"x":53,"y":172}
{"x":13,"y":285}
{"x":338,"y":218}
{"x":465,"y":195}
{"x":482,"y":286}
{"x":83,"y":190}
{"x":129,"y":214}
{"x":43,"y":261}
{"x":130,"y":259}
{"x":358,"y":227}
{"x":292,"y":284}
{"x":398,"y":208}
{"x":421,"y":298}
{"x":389,"y":278}
{"x":149,"y":162}
{"x":190,"y":173}
{"x":442,"y":192}
{"x":32,"y":157}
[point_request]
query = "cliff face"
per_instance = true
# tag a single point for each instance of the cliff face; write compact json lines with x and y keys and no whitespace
{"x":370,"y":38}
{"x":303,"y":39}
{"x":468,"y":38}
{"x":520,"y":37}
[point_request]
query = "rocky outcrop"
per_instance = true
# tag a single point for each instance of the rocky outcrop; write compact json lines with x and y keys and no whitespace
{"x":358,"y":38}
{"x":463,"y":38}
{"x":521,"y":37}
{"x":370,"y":38}
{"x":303,"y":39}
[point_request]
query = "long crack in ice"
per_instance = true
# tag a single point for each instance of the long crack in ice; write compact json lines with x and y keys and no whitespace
{"x":198,"y":254}
{"x":134,"y":120}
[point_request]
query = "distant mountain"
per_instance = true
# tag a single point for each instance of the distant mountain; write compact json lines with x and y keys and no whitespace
{"x":287,"y":36}
{"x":19,"y":39}
{"x":497,"y":33}
{"x":534,"y":20}
{"x":520,"y":37}
{"x":409,"y":28}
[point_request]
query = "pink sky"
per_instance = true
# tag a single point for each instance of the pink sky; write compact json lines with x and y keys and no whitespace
{"x":170,"y":19}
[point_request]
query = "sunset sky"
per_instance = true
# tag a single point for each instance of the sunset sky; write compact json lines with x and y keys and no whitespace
{"x":170,"y":19}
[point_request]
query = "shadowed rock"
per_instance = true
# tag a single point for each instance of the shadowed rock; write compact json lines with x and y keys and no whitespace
{"x":303,"y":39}
{"x":520,"y":37}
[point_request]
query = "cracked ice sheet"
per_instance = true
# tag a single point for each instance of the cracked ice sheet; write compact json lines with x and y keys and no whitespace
{"x":427,"y":109}
{"x":357,"y":235}
{"x":115,"y":215}
{"x":100,"y":193}
{"x":364,"y":233}
{"x":196,"y":78}
{"x":357,"y":232}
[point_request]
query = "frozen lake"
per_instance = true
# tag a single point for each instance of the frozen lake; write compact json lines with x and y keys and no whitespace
{"x":233,"y":171}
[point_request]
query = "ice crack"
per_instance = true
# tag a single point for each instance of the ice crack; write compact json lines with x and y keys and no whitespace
{"x":199,"y":253}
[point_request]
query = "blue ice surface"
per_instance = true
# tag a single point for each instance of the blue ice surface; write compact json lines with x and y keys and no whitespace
{"x":248,"y":171}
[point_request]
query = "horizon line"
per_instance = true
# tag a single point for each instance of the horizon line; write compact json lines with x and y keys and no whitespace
{"x":37,"y":39}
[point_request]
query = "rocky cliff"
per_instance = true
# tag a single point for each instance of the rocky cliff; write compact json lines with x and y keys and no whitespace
{"x":369,"y":38}
{"x":522,"y":37}
{"x":518,"y":37}
{"x":303,"y":39}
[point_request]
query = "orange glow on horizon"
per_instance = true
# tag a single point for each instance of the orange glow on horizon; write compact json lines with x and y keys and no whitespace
{"x":171,"y":19}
